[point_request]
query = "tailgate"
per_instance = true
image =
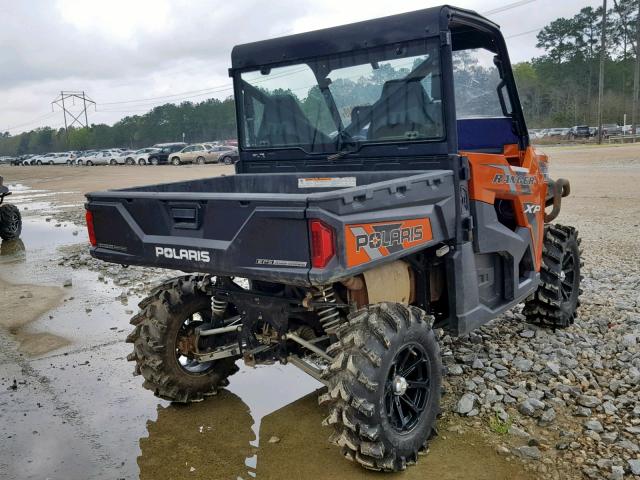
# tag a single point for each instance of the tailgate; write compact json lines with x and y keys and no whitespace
{"x":238,"y":235}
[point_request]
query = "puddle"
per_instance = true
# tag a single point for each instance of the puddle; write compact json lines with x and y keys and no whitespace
{"x":36,"y":201}
{"x":78,"y":412}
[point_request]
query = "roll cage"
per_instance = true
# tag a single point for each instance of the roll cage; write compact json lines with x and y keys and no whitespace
{"x":455,"y":29}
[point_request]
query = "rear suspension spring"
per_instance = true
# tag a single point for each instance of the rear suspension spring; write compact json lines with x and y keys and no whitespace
{"x":329,"y":316}
{"x":218,"y":307}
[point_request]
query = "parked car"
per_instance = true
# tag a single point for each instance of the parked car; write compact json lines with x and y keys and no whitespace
{"x":141,"y":157}
{"x":47,"y":158}
{"x":579,"y":131}
{"x":556,"y":132}
{"x":225,"y":154}
{"x":611,"y":129}
{"x":165,"y":149}
{"x":117,"y":156}
{"x":197,"y":153}
{"x":105,"y":157}
{"x":88,"y":158}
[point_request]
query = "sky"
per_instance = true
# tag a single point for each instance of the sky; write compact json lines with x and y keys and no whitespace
{"x":131,"y":55}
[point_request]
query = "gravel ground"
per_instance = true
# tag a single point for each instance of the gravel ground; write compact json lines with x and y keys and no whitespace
{"x":567,"y":403}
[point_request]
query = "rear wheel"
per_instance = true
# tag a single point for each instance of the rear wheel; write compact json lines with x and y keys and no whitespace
{"x":227,"y":160}
{"x":39,"y":162}
{"x":200,"y":160}
{"x":153,"y":161}
{"x":555,"y":302}
{"x":50,"y":162}
{"x":166,"y":320}
{"x":141,"y":162}
{"x":384,"y":386}
{"x":89,"y":163}
{"x":79,"y":162}
{"x":10,"y":222}
{"x":113,"y":161}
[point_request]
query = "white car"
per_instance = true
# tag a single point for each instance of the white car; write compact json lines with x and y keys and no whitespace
{"x":31,"y":160}
{"x":140,"y":157}
{"x":104,"y":157}
{"x":52,"y":159}
{"x":86,"y":159}
{"x":121,"y":157}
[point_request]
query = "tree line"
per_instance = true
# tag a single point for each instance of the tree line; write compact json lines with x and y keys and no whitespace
{"x":559,"y":88}
{"x":209,"y":120}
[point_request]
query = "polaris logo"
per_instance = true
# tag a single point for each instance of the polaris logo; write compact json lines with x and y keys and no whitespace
{"x":389,"y":237}
{"x":183,"y":254}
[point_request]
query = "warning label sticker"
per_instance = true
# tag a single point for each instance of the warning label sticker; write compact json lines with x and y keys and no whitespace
{"x":327,"y":182}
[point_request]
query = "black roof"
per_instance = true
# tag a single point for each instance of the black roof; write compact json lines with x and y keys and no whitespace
{"x":369,"y":33}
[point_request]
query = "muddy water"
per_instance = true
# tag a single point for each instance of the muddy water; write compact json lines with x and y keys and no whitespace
{"x":76,"y":412}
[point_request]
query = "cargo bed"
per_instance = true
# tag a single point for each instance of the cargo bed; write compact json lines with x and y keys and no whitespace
{"x":257,"y":226}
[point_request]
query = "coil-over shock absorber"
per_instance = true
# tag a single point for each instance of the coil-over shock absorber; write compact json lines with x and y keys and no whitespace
{"x":329,"y":316}
{"x":218,"y":307}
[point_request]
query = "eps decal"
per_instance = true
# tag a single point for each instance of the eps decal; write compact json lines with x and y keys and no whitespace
{"x":369,"y":241}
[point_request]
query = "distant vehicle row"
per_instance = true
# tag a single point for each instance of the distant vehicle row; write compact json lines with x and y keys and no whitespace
{"x":580,"y":132}
{"x":159,"y":154}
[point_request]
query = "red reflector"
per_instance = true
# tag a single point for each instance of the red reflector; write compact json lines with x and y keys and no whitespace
{"x":92,"y":233}
{"x":323,"y":246}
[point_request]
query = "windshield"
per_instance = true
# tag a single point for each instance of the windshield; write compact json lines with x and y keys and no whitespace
{"x":388,"y":94}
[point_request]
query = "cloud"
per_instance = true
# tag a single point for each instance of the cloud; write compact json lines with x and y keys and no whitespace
{"x":129,"y":49}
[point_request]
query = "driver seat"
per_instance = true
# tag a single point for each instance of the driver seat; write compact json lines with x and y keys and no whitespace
{"x":401,"y":112}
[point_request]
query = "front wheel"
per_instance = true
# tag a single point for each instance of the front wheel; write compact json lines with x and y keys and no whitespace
{"x":153,"y":161}
{"x":89,"y":163}
{"x":39,"y":162}
{"x":113,"y":162}
{"x":10,"y":222}
{"x":227,"y":160}
{"x":175,"y":161}
{"x":384,"y":386}
{"x":164,"y":327}
{"x":141,"y":162}
{"x":555,"y":302}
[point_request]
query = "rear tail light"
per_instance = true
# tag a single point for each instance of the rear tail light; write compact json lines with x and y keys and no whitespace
{"x":323,"y":245}
{"x":92,"y":233}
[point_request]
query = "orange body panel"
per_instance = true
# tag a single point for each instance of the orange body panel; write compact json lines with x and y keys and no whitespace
{"x":515,"y":176}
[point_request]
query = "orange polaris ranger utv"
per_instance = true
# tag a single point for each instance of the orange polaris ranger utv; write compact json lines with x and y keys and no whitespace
{"x":386,"y":187}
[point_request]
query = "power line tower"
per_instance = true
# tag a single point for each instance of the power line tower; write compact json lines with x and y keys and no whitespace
{"x":71,"y":97}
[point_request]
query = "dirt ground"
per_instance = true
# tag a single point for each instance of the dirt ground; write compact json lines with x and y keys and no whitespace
{"x":70,"y":408}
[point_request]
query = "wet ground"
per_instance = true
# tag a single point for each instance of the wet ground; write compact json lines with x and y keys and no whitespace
{"x":70,"y":408}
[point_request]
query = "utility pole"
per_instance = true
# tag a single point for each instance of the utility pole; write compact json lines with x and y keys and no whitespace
{"x":77,"y":118}
{"x":636,"y":77}
{"x":603,"y":53}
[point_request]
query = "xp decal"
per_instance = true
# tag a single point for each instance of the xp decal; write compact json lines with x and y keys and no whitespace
{"x":369,"y":241}
{"x":531,"y":208}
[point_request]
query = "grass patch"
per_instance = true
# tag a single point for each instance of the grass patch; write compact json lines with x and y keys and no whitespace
{"x":499,"y":426}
